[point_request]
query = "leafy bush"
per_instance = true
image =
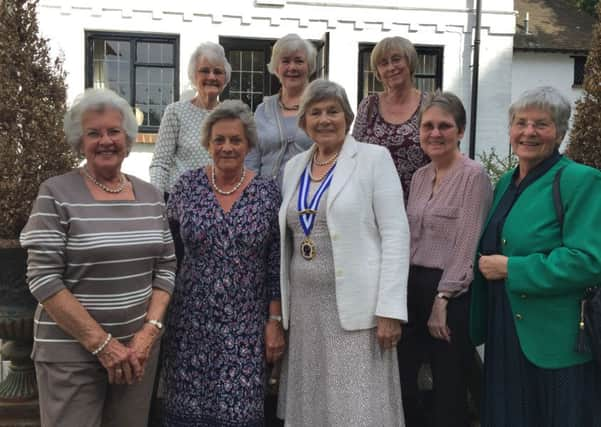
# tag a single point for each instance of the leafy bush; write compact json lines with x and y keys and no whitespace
{"x":585,"y":136}
{"x":32,"y":90}
{"x":497,"y":165}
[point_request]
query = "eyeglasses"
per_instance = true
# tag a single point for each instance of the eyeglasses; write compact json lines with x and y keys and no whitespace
{"x":393,"y":59}
{"x":217,"y":72}
{"x":539,"y":125}
{"x":442,"y":127}
{"x":235,"y":141}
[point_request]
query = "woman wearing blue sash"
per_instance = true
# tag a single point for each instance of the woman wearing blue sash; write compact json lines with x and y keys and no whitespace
{"x":344,"y":263}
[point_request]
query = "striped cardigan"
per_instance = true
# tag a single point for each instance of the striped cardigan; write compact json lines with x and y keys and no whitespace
{"x":108,"y":254}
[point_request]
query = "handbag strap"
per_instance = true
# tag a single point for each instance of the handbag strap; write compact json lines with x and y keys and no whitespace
{"x":557,"y":199}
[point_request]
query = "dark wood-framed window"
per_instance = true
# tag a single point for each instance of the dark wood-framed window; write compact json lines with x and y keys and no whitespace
{"x":428,"y":72}
{"x":579,"y":63}
{"x":142,"y":68}
{"x":251,"y":80}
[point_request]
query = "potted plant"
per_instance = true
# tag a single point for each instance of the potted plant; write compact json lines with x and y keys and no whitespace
{"x":32,"y":149}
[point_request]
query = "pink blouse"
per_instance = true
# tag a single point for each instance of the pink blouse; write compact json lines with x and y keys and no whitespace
{"x":445,"y":226}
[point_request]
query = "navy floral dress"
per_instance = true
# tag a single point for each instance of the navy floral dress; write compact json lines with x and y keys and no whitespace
{"x":214,"y":347}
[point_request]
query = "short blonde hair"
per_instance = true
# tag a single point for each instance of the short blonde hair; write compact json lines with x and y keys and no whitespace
{"x":288,"y":44}
{"x":389,"y":45}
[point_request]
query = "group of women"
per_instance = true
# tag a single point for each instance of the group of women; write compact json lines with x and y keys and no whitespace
{"x":351,"y":258}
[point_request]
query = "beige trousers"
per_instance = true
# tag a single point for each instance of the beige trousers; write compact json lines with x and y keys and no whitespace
{"x":79,"y":395}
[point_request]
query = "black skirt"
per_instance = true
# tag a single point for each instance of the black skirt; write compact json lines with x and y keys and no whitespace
{"x":520,"y":394}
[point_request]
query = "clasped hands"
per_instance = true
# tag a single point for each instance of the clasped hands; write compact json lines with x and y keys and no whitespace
{"x":125,"y":364}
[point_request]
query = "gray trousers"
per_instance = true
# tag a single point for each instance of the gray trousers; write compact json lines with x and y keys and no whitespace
{"x":79,"y":395}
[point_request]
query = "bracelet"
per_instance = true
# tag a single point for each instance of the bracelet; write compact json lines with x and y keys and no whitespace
{"x":156,"y":323}
{"x":275,"y":317}
{"x":104,"y":344}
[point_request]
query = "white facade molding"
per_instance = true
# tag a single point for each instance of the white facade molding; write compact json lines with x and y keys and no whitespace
{"x":350,"y":23}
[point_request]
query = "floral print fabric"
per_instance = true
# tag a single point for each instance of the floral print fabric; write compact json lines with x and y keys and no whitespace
{"x":402,"y":140}
{"x":214,"y":347}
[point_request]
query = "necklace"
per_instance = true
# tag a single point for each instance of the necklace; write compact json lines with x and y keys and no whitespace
{"x":284,"y":107}
{"x":324,"y":175}
{"x":327,"y":161}
{"x":223,"y":192}
{"x":103,"y":187}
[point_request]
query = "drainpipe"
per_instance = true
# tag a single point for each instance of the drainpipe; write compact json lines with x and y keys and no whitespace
{"x":475,"y":70}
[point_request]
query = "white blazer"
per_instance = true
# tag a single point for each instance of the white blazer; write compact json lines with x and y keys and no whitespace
{"x":369,"y":233}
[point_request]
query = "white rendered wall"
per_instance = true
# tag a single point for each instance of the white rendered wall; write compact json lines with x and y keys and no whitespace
{"x":447,"y":23}
{"x":532,"y":69}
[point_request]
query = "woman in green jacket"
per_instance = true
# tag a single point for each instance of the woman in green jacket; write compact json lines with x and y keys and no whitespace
{"x":532,"y":274}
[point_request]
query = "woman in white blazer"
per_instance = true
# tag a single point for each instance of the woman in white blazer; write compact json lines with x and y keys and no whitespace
{"x":344,"y":264}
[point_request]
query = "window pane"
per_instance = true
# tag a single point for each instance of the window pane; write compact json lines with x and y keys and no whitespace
{"x":246,"y":82}
{"x":154,"y":91}
{"x":235,"y":81}
{"x":247,"y":60}
{"x":250,"y":81}
{"x":257,"y":82}
{"x":111,"y":65}
{"x":258,"y":61}
{"x":154,"y":53}
{"x":235,"y":59}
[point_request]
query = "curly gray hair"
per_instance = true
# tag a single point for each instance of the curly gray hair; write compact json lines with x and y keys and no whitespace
{"x":98,"y":100}
{"x":215,"y":54}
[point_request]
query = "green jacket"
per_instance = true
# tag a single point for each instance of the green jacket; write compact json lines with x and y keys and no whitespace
{"x":545,"y":278}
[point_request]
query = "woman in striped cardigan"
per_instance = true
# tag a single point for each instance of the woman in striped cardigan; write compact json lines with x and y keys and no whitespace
{"x":101,"y":264}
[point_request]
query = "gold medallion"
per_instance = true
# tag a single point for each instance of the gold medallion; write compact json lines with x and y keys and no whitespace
{"x":308,"y":249}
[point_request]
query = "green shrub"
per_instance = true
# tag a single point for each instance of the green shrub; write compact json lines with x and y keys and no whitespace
{"x":32,"y":90}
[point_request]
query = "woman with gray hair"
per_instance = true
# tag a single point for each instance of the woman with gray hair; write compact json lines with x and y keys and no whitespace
{"x":101,"y":265}
{"x":224,"y":323}
{"x":344,"y":259}
{"x":537,"y":262}
{"x":293,"y":61}
{"x":177,"y":148}
{"x":447,"y":206}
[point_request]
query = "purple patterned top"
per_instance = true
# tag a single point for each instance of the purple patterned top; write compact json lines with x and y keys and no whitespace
{"x":402,"y":140}
{"x":214,"y":347}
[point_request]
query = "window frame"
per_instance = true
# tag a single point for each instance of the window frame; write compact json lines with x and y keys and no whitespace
{"x":436,"y":50}
{"x":133,"y":38}
{"x":271,"y":84}
{"x":578,"y":70}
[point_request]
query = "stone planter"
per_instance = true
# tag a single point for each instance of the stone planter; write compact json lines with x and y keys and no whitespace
{"x":17,"y":306}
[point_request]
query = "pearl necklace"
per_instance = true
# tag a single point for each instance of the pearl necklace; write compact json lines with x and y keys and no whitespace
{"x":325,"y":162}
{"x":223,"y":192}
{"x":103,"y":187}
{"x":323,"y":176}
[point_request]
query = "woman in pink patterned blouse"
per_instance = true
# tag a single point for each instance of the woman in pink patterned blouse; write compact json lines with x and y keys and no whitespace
{"x":390,"y":118}
{"x":448,"y":203}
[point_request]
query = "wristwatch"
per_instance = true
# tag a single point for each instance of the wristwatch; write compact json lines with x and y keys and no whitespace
{"x":443,"y":296}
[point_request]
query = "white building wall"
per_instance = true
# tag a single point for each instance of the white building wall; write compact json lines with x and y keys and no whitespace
{"x":447,"y":23}
{"x":532,"y":69}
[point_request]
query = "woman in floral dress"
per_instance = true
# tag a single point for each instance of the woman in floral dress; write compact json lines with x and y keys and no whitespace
{"x":225,"y":318}
{"x":390,"y":118}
